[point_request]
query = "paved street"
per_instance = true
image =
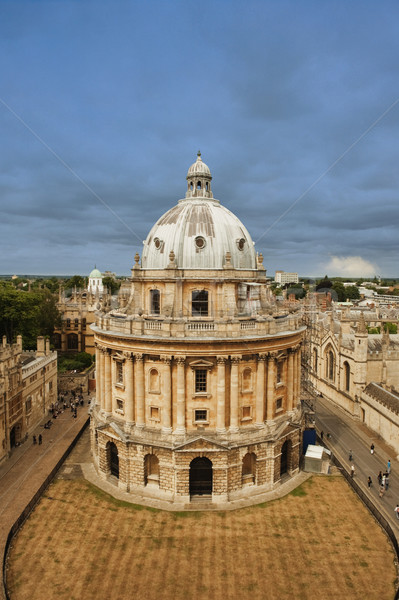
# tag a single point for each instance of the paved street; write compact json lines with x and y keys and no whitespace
{"x":348,"y":434}
{"x":29,"y":465}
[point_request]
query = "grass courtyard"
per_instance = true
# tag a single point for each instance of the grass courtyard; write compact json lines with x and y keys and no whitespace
{"x":319,"y":541}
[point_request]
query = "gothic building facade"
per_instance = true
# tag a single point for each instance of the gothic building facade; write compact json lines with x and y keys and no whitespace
{"x":198,"y":373}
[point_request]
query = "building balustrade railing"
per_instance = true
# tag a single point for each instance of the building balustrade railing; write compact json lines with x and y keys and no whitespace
{"x":235,"y":327}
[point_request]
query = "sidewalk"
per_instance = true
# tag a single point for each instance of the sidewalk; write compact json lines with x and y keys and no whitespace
{"x":25,"y":471}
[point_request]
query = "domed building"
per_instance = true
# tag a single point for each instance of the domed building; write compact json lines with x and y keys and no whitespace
{"x":198,"y":373}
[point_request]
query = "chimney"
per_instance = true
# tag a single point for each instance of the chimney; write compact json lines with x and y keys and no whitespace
{"x":19,"y":342}
{"x":40,"y":346}
{"x":47,"y":346}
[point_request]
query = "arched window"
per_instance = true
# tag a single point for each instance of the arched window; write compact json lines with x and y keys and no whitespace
{"x":198,"y":185}
{"x":199,"y":303}
{"x":248,"y":468}
{"x":72,"y":341}
{"x":154,"y":381}
{"x":57,"y":341}
{"x":247,"y":380}
{"x":201,"y":477}
{"x":151,"y":470}
{"x":315,"y":359}
{"x":330,"y":364}
{"x":347,"y":376}
{"x":155,"y":302}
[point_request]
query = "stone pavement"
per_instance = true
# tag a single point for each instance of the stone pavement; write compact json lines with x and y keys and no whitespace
{"x":29,"y":465}
{"x":348,"y":434}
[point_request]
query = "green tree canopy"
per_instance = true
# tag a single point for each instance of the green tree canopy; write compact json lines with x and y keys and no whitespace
{"x":324,"y":284}
{"x":111,"y":284}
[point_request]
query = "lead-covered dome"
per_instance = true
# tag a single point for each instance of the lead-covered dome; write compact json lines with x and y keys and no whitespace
{"x":199,"y":231}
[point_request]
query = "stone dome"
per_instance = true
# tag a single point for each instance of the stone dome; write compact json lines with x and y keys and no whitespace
{"x":199,"y":231}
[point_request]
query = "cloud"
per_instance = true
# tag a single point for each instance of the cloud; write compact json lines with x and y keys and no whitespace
{"x":350,"y":266}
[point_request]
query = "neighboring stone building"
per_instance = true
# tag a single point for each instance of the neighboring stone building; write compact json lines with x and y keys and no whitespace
{"x":78,"y":313}
{"x":347,"y":364}
{"x":198,"y":374}
{"x":28,"y":387}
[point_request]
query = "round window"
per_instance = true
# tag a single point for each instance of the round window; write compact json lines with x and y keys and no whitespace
{"x":241,"y":244}
{"x":200,"y":242}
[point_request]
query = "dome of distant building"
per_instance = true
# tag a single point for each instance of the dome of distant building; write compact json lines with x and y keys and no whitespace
{"x":201,"y":233}
{"x":95,"y":273}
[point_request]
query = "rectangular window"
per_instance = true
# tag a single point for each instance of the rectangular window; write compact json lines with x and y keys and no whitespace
{"x":201,"y":415}
{"x":68,"y":323}
{"x":119,"y":371}
{"x":83,"y":323}
{"x":200,"y":381}
{"x":155,"y":300}
{"x":76,"y":323}
{"x":279,"y":403}
{"x":154,"y":412}
{"x":28,"y":405}
{"x":119,"y":405}
{"x":280,"y":365}
{"x":246,"y":412}
{"x":199,"y":303}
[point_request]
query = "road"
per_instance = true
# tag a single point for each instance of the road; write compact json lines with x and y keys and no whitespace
{"x":348,"y":434}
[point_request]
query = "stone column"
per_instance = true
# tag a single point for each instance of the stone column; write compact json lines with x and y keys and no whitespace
{"x":291,"y":378}
{"x":140,"y":398}
{"x":107,"y":382}
{"x":235,"y":360}
{"x":129,"y":394}
{"x":98,"y":376}
{"x":298,"y":376}
{"x":260,"y":391}
{"x":271,"y":385}
{"x":167,"y":397}
{"x":221,"y":395}
{"x":181,"y":395}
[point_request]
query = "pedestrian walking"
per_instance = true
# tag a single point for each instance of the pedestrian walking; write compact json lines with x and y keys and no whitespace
{"x":372,"y":448}
{"x":350,"y":456}
{"x":382,"y":490}
{"x":321,"y":435}
{"x":386,"y":481}
{"x":383,"y":480}
{"x":369,"y":482}
{"x":34,"y":439}
{"x":352,"y":471}
{"x":396,"y":509}
{"x":40,"y":438}
{"x":389,"y":466}
{"x":379,"y":478}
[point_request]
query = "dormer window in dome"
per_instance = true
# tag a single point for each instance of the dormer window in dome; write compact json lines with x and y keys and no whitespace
{"x":200,"y":242}
{"x":241,"y":244}
{"x":158,"y":243}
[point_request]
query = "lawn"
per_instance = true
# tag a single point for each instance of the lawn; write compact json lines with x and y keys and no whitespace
{"x":317,"y":542}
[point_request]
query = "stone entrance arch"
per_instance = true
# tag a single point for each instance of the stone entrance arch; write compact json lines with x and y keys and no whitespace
{"x":201,"y":477}
{"x":285,"y":459}
{"x":113,"y":459}
{"x":15,"y":435}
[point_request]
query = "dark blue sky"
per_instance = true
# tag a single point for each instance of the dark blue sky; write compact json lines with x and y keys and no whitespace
{"x":272,"y":93}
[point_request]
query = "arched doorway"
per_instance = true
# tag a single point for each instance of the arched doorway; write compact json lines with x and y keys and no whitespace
{"x":113,"y":459}
{"x":248,"y":469}
{"x":15,"y":435}
{"x":284,"y":458}
{"x":201,"y":477}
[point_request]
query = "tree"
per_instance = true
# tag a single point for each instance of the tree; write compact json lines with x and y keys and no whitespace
{"x":352,"y":292}
{"x":324,"y":284}
{"x":299,"y":292}
{"x":29,"y":314}
{"x":111,"y":284}
{"x":76,"y":281}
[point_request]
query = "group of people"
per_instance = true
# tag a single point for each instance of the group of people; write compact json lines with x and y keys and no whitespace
{"x":67,"y":400}
{"x":383,"y":479}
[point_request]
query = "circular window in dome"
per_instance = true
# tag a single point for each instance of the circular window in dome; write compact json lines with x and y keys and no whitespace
{"x":157,"y":243}
{"x":200,"y":242}
{"x":241,"y":244}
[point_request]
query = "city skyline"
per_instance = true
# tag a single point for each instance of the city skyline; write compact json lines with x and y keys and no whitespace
{"x":295,"y":109}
